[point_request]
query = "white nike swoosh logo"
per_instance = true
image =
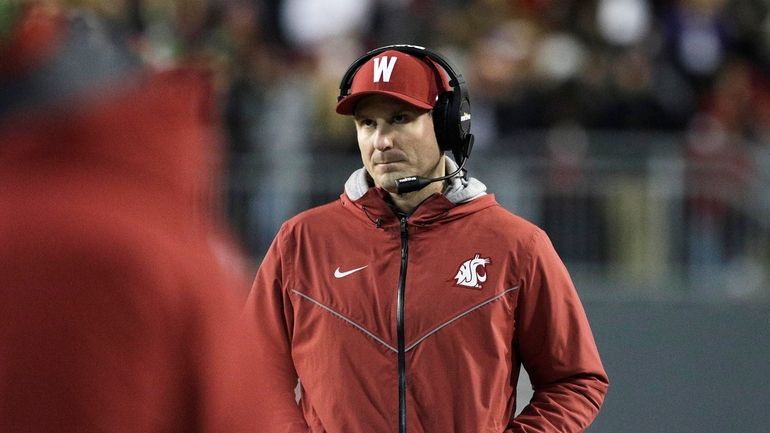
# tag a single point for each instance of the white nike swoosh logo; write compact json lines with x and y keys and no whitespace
{"x":340,"y":274}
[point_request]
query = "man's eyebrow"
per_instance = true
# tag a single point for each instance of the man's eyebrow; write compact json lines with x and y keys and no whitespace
{"x":366,"y":115}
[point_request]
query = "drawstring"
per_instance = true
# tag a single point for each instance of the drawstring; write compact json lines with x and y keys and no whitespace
{"x":377,"y":221}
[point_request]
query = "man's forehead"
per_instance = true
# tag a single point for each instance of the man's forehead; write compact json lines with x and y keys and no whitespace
{"x":378,"y":104}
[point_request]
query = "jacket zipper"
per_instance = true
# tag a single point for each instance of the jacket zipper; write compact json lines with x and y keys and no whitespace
{"x":400,"y":329}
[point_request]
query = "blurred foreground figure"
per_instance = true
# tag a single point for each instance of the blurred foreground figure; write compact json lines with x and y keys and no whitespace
{"x":118,"y":306}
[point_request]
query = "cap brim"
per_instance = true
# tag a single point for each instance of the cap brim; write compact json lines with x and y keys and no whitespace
{"x":348,"y":104}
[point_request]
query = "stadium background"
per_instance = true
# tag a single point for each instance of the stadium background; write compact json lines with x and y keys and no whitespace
{"x":635,"y":132}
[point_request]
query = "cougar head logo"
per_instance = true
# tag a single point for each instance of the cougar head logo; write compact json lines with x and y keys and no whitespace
{"x":472,"y":272}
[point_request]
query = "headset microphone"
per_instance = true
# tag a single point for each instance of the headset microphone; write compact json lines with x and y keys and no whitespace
{"x":416,"y":183}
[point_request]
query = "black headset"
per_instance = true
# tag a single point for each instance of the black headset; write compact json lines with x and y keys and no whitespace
{"x":452,"y":113}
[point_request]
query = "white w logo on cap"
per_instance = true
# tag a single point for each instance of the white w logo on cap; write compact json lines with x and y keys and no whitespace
{"x":383,"y":68}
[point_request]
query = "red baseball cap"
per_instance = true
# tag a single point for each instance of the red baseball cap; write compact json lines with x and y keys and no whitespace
{"x":395,"y":74}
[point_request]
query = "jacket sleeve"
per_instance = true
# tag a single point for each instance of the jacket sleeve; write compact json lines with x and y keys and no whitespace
{"x":556,"y":347}
{"x":268,"y":311}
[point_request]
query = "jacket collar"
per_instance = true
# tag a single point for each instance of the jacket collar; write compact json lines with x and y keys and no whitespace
{"x":462,"y":195}
{"x":458,"y":189}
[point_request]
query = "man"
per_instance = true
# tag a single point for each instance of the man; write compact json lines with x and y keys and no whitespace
{"x":410,"y":304}
{"x":120,"y":312}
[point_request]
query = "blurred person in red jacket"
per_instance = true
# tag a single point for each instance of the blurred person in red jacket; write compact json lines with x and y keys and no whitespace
{"x":118,"y":295}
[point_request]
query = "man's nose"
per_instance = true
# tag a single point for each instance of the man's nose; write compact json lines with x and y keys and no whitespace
{"x":383,"y":139}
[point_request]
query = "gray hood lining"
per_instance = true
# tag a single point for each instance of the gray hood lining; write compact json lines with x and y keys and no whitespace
{"x":458,"y":189}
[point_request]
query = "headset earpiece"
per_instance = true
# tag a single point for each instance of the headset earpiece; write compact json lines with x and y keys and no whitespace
{"x":440,"y":116}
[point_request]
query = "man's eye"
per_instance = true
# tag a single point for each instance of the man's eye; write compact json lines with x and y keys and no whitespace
{"x":368,"y":123}
{"x":400,"y":118}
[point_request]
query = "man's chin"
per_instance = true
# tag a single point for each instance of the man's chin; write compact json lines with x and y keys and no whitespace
{"x":391,"y":188}
{"x":388,"y":182}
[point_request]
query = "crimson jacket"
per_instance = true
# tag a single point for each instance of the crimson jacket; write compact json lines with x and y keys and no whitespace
{"x":119,"y":301}
{"x":420,"y":323}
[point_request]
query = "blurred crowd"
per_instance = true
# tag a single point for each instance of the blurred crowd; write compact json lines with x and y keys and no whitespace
{"x":698,"y":68}
{"x":618,"y":64}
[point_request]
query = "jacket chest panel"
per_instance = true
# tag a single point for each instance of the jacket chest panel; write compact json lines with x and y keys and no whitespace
{"x":446,"y":286}
{"x":464,"y":290}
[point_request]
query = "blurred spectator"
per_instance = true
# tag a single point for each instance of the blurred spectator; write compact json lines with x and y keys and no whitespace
{"x":718,"y":170}
{"x":120,"y":290}
{"x":696,"y":38}
{"x":308,"y":23}
{"x":573,"y":218}
{"x":623,"y":22}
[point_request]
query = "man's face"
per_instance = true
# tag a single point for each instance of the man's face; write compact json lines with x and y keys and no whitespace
{"x":396,"y":140}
